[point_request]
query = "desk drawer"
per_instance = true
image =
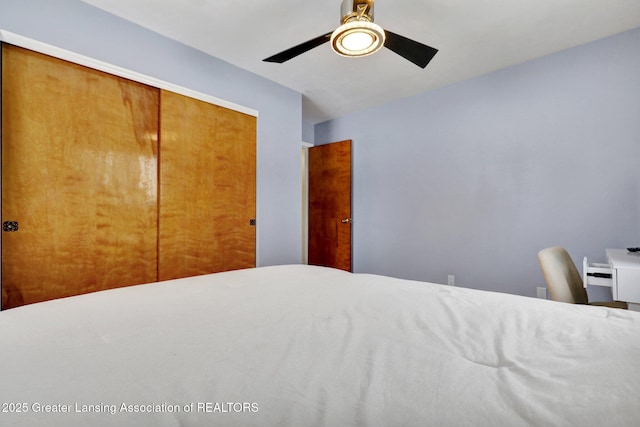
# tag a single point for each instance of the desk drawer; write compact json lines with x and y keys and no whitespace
{"x":596,"y":274}
{"x":627,"y":283}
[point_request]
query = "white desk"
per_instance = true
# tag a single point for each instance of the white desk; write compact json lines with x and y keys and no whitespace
{"x":625,"y":274}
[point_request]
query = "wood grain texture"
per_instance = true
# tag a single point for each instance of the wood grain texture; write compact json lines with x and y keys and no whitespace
{"x":79,"y":173}
{"x":207,"y":188}
{"x":235,"y":203}
{"x":329,"y":204}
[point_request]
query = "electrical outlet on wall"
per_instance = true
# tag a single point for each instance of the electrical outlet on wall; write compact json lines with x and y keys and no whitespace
{"x":451,"y":280}
{"x":541,"y":292}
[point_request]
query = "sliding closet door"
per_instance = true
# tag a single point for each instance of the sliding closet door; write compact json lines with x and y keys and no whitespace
{"x":79,"y":179}
{"x":207,"y":188}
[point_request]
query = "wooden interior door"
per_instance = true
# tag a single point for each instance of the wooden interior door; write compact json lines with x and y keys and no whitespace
{"x":207,"y":188}
{"x":330,"y":205}
{"x":79,"y":176}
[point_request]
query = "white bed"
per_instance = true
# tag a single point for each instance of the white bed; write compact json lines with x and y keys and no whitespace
{"x":312,"y":346}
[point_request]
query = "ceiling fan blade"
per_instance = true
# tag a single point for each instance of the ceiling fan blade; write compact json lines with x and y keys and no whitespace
{"x":416,"y":52}
{"x":288,"y":54}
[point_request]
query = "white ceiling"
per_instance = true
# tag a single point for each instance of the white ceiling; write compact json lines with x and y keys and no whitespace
{"x":474,"y":37}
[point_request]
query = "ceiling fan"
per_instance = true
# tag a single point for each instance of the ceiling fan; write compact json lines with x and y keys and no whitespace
{"x":359,"y":36}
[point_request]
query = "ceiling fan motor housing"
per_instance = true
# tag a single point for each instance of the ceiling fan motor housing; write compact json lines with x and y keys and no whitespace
{"x":356,"y":10}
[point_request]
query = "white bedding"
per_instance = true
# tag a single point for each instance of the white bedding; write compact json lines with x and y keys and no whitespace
{"x":310,"y":346}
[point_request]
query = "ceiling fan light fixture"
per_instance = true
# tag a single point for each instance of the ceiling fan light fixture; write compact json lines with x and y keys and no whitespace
{"x":357,"y":41}
{"x":357,"y":38}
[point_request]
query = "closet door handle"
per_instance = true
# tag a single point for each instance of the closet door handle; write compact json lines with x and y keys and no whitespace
{"x":346,"y":221}
{"x":10,"y":226}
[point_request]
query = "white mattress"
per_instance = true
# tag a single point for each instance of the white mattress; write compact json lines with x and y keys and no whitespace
{"x":310,"y":346}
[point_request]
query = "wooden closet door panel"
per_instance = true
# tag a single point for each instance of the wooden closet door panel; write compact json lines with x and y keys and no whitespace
{"x":187,"y":133}
{"x":79,"y":159}
{"x":235,"y":168}
{"x":127,"y":185}
{"x":207,"y":188}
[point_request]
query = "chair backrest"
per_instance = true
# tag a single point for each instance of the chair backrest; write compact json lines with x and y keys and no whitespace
{"x":562,"y":276}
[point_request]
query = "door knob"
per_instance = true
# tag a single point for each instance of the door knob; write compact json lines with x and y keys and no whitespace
{"x":346,"y":220}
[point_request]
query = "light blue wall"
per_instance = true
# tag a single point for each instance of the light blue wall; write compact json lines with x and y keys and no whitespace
{"x":474,"y":178}
{"x":308,"y":132}
{"x":81,"y":28}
